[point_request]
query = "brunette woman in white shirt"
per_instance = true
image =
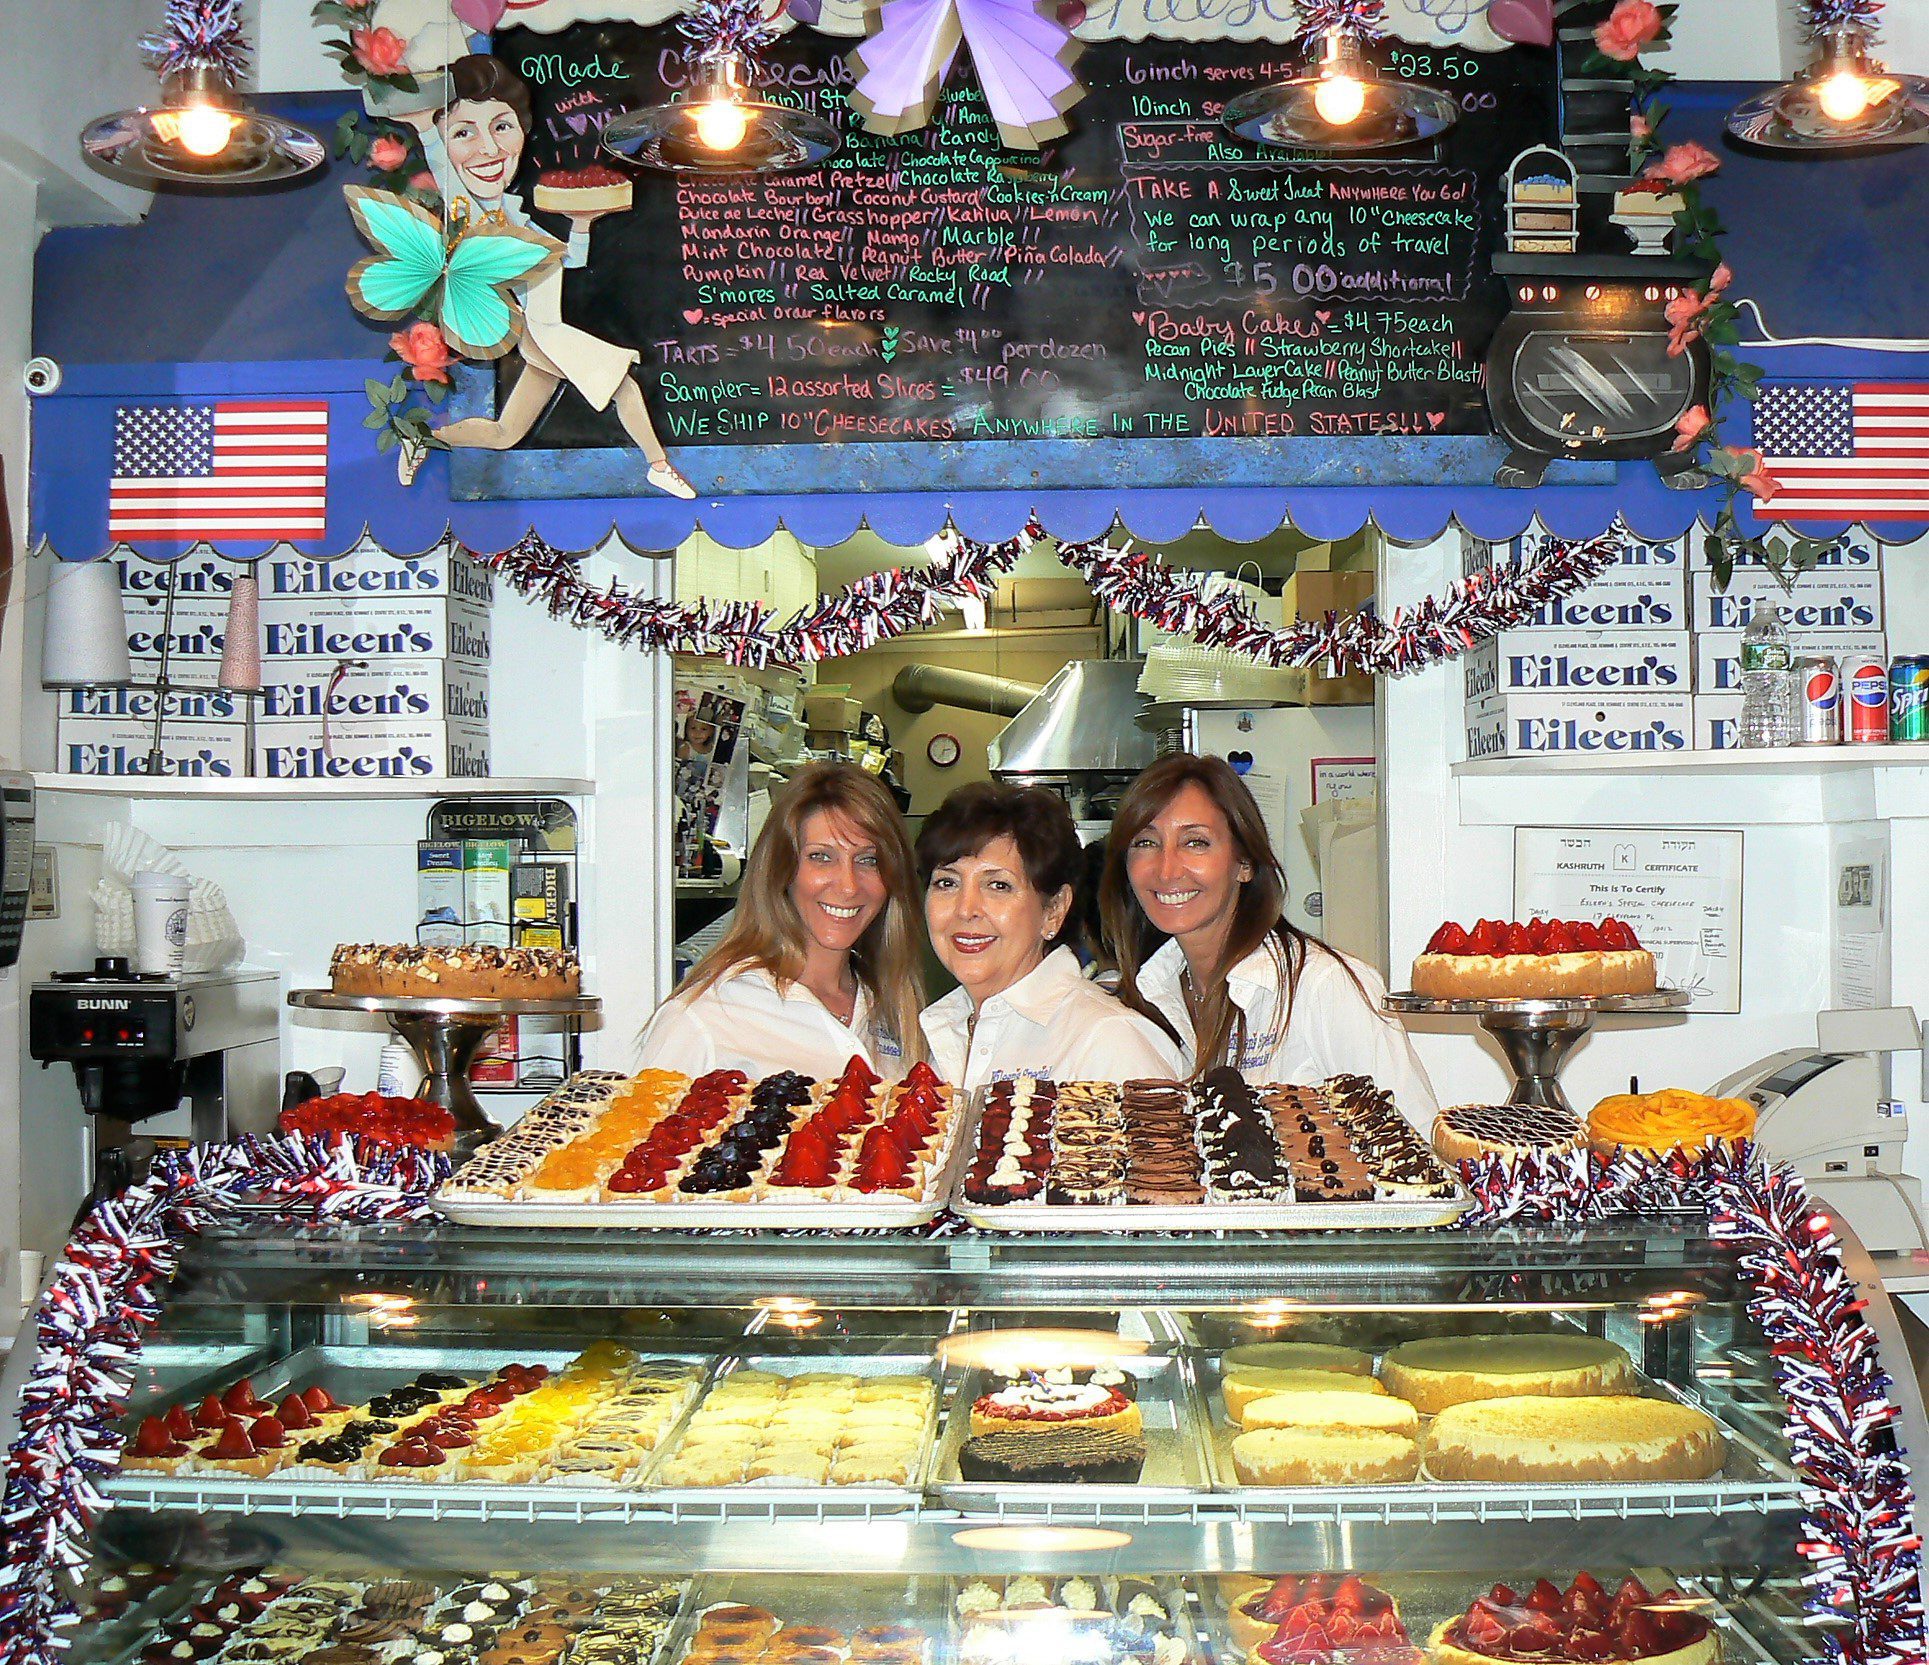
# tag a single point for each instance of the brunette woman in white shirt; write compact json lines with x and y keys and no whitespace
{"x":1193,"y":900}
{"x":1000,"y":864}
{"x":822,"y":962}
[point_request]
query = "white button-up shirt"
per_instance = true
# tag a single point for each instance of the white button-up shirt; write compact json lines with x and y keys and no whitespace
{"x":743,"y":1021}
{"x":1331,"y":1030}
{"x":1051,"y":1023}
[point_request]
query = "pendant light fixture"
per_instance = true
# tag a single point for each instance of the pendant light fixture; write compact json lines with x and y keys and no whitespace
{"x":724,"y":124}
{"x":1340,"y":105}
{"x":203,"y":132}
{"x":1843,"y":100}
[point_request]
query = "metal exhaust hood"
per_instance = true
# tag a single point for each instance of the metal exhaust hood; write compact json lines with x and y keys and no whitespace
{"x":1086,"y":721}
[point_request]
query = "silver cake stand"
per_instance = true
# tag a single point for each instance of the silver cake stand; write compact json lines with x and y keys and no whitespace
{"x":445,"y":1035}
{"x":1537,"y":1035}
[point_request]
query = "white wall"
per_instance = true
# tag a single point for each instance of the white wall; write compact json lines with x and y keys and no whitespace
{"x":1450,"y":856}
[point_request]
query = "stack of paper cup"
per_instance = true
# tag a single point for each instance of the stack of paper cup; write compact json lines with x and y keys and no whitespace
{"x":160,"y":922}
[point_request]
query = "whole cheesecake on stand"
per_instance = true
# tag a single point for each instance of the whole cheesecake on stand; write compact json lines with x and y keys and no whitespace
{"x":477,"y":971}
{"x":1545,"y":959}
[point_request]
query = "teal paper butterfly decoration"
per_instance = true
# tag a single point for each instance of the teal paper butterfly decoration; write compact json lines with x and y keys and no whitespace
{"x":461,"y":284}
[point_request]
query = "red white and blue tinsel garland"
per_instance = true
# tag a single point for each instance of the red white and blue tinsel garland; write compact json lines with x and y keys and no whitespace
{"x":1858,"y":1531}
{"x":104,"y":1293}
{"x":884,"y":605}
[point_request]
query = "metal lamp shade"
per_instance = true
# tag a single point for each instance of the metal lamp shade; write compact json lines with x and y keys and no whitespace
{"x":85,"y":641}
{"x":1792,"y":116}
{"x":145,"y":147}
{"x":1391,"y":113}
{"x":774,"y":137}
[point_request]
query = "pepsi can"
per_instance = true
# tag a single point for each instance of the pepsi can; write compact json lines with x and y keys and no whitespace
{"x":1908,"y":698}
{"x":1819,"y":690}
{"x":1865,"y":694}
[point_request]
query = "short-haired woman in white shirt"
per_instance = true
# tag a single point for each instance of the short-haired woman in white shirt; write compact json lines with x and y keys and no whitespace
{"x":1000,"y":866}
{"x":1193,"y":901}
{"x":822,"y":962}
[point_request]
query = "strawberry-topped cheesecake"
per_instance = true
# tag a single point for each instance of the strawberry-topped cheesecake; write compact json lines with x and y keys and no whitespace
{"x":1577,"y":1626}
{"x":591,"y":190}
{"x":1311,"y":1617}
{"x":1541,"y":960}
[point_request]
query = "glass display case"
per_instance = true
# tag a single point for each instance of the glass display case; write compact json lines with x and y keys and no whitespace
{"x":745,"y":1449}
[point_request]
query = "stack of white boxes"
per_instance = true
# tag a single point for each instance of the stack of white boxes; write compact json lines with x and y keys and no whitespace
{"x":392,"y":653}
{"x":1602,"y":673}
{"x":1834,"y":609}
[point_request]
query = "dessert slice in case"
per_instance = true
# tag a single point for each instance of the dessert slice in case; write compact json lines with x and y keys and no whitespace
{"x":1582,"y":1625}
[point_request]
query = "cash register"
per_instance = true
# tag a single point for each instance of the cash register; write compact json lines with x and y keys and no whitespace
{"x":1827,"y":1111}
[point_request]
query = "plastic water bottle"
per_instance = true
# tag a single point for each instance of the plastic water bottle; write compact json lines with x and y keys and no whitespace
{"x":1767,"y":681}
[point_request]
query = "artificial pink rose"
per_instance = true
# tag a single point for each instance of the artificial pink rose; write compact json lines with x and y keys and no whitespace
{"x":1640,"y":127}
{"x":1684,"y":320}
{"x":1758,"y":481}
{"x":387,"y":153}
{"x":1630,"y":26}
{"x":423,"y":181}
{"x":357,"y":5}
{"x":1689,"y":426}
{"x":423,"y":350}
{"x":380,"y":51}
{"x":1684,"y":163}
{"x":1719,"y":279}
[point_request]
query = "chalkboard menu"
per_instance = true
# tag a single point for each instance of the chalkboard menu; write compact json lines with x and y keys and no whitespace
{"x":1148,"y":276}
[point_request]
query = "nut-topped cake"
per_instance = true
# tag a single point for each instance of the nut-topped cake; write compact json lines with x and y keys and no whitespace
{"x":478,"y":971}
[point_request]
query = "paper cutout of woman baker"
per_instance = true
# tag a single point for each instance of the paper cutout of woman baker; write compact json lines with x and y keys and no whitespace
{"x":474,"y":146}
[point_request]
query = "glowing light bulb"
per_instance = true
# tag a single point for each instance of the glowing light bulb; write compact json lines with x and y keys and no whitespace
{"x":721,"y":123}
{"x":1339,"y":99}
{"x":204,"y":129}
{"x":1844,"y":96}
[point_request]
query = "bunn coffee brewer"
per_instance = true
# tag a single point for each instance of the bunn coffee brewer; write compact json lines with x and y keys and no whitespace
{"x":146,"y":1048}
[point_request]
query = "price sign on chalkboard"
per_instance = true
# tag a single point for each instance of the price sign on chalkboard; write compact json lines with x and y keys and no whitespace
{"x":1149,"y":277}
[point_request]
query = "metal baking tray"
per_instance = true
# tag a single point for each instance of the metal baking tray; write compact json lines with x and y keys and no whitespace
{"x":1750,"y":1465}
{"x":813,"y":1599}
{"x":355,"y":1374}
{"x":1397,"y":1214}
{"x":777,"y":1495}
{"x":1180,"y":1600}
{"x":1176,"y":1461}
{"x":817,"y":1215}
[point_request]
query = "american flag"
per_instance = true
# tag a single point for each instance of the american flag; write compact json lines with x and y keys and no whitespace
{"x":1845,"y":451}
{"x":249,"y":468}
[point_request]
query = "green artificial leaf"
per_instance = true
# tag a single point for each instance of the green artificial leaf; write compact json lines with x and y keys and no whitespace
{"x":436,"y":391}
{"x":376,"y":419}
{"x":385,"y":440}
{"x":399,"y":388}
{"x":1720,"y":561}
{"x":378,"y":391}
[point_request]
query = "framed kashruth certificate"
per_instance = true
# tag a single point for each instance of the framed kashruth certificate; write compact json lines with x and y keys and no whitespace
{"x":1678,"y":888}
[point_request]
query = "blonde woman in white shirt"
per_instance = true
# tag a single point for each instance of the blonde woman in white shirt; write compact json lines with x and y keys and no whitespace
{"x":1000,"y":866}
{"x":1193,"y":902}
{"x":822,"y":962}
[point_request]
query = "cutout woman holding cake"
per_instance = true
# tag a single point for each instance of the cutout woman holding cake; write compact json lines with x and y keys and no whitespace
{"x":474,"y":145}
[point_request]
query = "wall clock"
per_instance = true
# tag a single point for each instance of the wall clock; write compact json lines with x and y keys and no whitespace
{"x":1580,"y":368}
{"x":944,"y":750}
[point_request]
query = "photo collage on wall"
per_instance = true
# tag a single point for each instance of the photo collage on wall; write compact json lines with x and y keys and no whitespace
{"x":712,"y":782}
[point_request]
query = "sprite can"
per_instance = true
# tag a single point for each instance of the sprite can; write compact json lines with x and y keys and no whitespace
{"x":1908,"y":698}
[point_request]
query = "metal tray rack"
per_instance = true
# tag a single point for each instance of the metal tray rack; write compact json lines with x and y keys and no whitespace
{"x":778,"y":1497}
{"x":1176,"y":1468}
{"x":1391,"y":1214}
{"x":868,"y":1214}
{"x":1753,"y":1478}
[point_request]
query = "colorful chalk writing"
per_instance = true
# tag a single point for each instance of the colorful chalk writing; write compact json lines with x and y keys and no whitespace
{"x":1150,"y":276}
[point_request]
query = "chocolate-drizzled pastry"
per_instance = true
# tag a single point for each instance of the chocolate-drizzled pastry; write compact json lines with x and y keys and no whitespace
{"x":1088,"y":1145}
{"x":1162,"y":1165}
{"x":1237,"y":1146}
{"x":1014,"y":1151}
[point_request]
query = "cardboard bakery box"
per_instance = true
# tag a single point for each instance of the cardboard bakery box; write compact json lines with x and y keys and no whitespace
{"x":1604,"y":725}
{"x":1311,"y":595}
{"x":1580,"y":662}
{"x":1718,"y":653}
{"x":453,"y":626}
{"x":456,"y":690}
{"x":370,"y":749}
{"x":1842,"y":601}
{"x":119,"y":746}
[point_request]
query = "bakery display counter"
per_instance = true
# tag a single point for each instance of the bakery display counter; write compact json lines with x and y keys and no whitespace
{"x":452,"y":1445}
